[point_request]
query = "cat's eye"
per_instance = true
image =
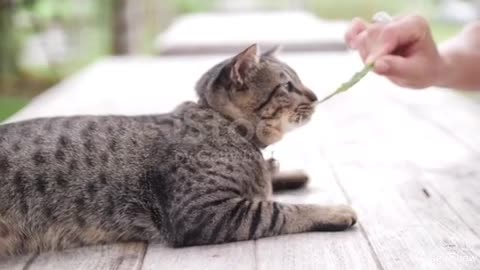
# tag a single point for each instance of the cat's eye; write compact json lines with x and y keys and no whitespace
{"x":288,"y":86}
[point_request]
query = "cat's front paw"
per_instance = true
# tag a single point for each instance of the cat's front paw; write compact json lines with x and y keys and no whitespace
{"x":336,"y":218}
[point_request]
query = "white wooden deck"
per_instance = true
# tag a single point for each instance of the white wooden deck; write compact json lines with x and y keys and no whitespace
{"x":407,"y":161}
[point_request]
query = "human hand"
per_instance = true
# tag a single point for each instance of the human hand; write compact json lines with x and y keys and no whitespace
{"x":403,"y":50}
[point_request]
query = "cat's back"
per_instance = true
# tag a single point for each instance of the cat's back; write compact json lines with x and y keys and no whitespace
{"x":80,"y":141}
{"x":53,"y":156}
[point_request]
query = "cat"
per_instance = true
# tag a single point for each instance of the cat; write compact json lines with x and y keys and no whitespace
{"x":195,"y":176}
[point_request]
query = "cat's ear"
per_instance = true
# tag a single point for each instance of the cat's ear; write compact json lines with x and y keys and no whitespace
{"x":273,"y":52}
{"x":244,"y":63}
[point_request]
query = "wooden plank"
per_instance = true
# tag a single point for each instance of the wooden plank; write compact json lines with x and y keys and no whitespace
{"x":322,"y":250}
{"x":318,"y":250}
{"x":408,"y":229}
{"x":458,"y":118}
{"x":231,"y":256}
{"x":460,"y":189}
{"x":128,"y":256}
{"x":364,"y":125}
{"x":453,"y":113}
{"x":380,"y":153}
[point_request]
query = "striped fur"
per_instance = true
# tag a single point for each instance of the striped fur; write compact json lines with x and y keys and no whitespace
{"x":194,"y":176}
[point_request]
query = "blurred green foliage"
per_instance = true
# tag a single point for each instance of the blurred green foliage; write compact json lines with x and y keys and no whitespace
{"x":348,"y":9}
{"x":342,"y":9}
{"x":191,"y":6}
{"x":10,"y":105}
{"x":444,"y":31}
{"x":86,"y":25}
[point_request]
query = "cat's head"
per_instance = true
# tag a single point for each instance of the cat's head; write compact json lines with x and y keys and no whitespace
{"x":258,"y":89}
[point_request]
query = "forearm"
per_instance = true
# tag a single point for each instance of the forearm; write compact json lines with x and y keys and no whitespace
{"x":461,"y":60}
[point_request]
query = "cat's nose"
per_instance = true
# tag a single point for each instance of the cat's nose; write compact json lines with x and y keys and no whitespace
{"x":310,"y":95}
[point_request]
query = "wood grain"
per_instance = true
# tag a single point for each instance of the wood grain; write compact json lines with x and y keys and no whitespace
{"x":408,"y":229}
{"x":409,"y":224}
{"x":232,"y":256}
{"x":459,"y":119}
{"x":452,"y":113}
{"x":128,"y":256}
{"x":317,"y":250}
{"x":460,"y":189}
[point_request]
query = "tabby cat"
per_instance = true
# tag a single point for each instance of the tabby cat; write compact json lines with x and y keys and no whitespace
{"x":194,"y":176}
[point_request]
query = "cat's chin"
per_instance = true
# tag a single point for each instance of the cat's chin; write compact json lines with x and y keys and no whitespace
{"x":292,"y":125}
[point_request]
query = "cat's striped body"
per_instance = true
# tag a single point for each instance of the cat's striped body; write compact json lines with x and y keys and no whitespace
{"x":194,"y":176}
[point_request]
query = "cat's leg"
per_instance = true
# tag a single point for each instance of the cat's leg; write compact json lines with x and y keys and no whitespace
{"x":239,"y":219}
{"x":285,"y":180}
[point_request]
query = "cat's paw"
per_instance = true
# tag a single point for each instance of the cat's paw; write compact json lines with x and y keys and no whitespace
{"x":289,"y":180}
{"x":336,"y":218}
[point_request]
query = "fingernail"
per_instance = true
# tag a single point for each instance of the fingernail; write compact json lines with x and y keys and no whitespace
{"x":381,"y":66}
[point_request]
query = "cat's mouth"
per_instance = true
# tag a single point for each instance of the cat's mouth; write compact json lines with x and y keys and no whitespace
{"x":300,"y":116}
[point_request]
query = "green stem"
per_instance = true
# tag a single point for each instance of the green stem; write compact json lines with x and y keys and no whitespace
{"x":349,"y":84}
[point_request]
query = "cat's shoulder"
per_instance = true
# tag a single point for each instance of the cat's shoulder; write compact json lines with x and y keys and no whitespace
{"x":191,"y":111}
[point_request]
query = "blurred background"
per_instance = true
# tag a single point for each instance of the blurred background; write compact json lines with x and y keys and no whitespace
{"x":44,"y":41}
